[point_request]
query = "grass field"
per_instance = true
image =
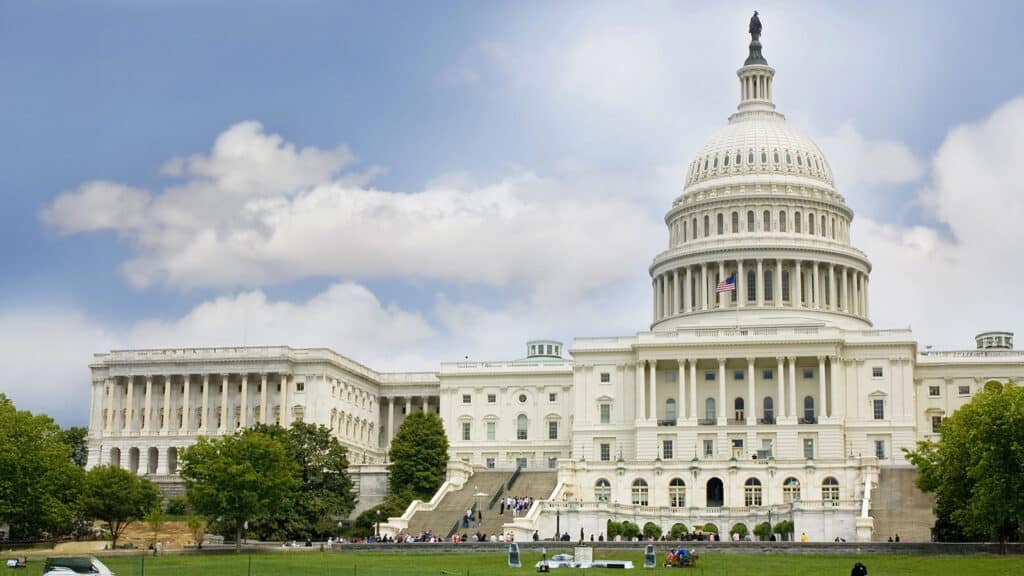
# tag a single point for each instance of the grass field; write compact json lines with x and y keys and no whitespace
{"x":482,"y":564}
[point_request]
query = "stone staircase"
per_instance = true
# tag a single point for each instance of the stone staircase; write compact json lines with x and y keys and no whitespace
{"x":898,"y":507}
{"x":537,"y":484}
{"x":453,"y":506}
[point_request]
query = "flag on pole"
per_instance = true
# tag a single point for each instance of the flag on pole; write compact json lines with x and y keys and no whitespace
{"x":726,"y":285}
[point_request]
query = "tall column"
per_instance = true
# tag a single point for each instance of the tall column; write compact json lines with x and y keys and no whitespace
{"x":426,"y":403}
{"x":681,"y":404}
{"x":223,"y":405}
{"x":780,"y":378}
{"x":834,"y":386}
{"x":391,"y":419}
{"x":130,"y":415}
{"x":721,"y":276}
{"x":832,"y":288}
{"x":867,"y":299}
{"x":408,"y":405}
{"x":818,"y":292}
{"x":741,"y":284}
{"x":844,"y":298}
{"x":263,"y":398}
{"x":722,"y":414}
{"x":147,"y":411}
{"x":203,"y":420}
{"x":759,"y":282}
{"x":798,"y":296}
{"x":778,"y":283}
{"x":654,"y":299}
{"x":167,"y":405}
{"x":652,"y":400}
{"x":792,"y":387}
{"x":677,"y":293}
{"x":704,"y":286}
{"x":286,"y":415}
{"x":687,"y":290}
{"x":693,"y":388}
{"x":108,"y":384}
{"x":243,"y":417}
{"x":751,"y":394}
{"x":185,"y":406}
{"x":641,"y":401}
{"x":822,"y":413}
{"x":657,"y":297}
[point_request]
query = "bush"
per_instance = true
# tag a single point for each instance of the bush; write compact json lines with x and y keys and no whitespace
{"x":614,"y":529}
{"x":652,"y":530}
{"x":784,"y":528}
{"x":710,"y":528}
{"x":176,"y":506}
{"x":366,"y":523}
{"x":630,"y":531}
{"x":763,"y":531}
{"x":678,"y":531}
{"x":740,"y":529}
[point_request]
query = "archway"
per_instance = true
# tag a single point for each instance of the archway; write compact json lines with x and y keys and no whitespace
{"x":715,"y":493}
{"x":154,"y":459}
{"x":172,"y":460}
{"x":115,"y":457}
{"x":133,"y":460}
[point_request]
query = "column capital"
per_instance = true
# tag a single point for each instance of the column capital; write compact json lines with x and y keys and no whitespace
{"x":821,"y":357}
{"x":780,"y":359}
{"x":751,"y":359}
{"x":721,"y":361}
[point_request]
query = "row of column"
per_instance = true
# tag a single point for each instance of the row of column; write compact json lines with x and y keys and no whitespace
{"x":391,"y":400}
{"x":811,"y":285}
{"x":756,"y":86}
{"x":784,"y":402}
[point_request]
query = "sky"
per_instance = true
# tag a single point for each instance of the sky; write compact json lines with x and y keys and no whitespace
{"x":415,"y":182}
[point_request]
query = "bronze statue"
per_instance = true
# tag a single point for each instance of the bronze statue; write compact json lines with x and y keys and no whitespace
{"x":755,"y":27}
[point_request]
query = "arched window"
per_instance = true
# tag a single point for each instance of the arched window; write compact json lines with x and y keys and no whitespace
{"x":670,"y":409}
{"x":822,"y":224}
{"x":767,"y":221}
{"x":677,"y":493}
{"x":738,"y":159}
{"x":715,"y":493}
{"x":709,"y":409}
{"x":522,"y":427}
{"x":693,"y":228}
{"x":750,"y":157}
{"x":776,"y":156}
{"x":790,"y":490}
{"x":809,"y":409}
{"x":738,"y":408}
{"x":715,"y":164}
{"x":752,"y":492}
{"x":764,"y":157}
{"x":639,"y":492}
{"x":750,"y":221}
{"x":810,"y":223}
{"x":152,"y":460}
{"x":830,"y":489}
{"x":727,"y":159}
{"x":707,"y":225}
{"x":172,"y":460}
{"x":115,"y":457}
{"x":720,"y":220}
{"x":769,"y":285}
{"x":833,"y":228}
{"x":799,"y":160}
{"x":782,"y":221}
{"x":796,"y":222}
{"x":705,"y":164}
{"x":768,"y":410}
{"x":735,"y":222}
{"x":684,"y":231}
{"x":751,"y":285}
{"x":789,"y":160}
{"x":602,"y":490}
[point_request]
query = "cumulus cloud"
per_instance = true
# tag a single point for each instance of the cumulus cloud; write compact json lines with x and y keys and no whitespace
{"x":857,"y":161}
{"x":98,"y":205}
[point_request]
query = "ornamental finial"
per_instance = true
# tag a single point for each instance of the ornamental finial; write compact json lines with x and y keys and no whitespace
{"x":755,"y":56}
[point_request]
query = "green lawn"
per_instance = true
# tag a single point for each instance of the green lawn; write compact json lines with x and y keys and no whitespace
{"x":398,"y":564}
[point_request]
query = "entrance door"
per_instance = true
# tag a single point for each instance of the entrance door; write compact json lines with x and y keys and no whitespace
{"x":715,"y":493}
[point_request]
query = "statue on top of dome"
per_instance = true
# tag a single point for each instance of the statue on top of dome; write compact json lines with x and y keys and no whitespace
{"x":755,"y":27}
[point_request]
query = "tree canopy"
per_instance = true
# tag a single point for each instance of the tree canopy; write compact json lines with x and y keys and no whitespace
{"x":39,"y":483}
{"x":239,"y":477}
{"x":76,"y":439}
{"x":118,"y":498}
{"x":419,"y":456}
{"x":976,"y":469}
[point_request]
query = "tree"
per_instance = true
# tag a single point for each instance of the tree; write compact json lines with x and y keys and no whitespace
{"x":197,"y":528}
{"x":39,"y":483}
{"x":976,"y":469}
{"x":784,"y":529}
{"x":419,"y":456}
{"x":155,"y":519}
{"x":76,"y":439}
{"x":763,"y":531}
{"x":630,"y":531}
{"x":740,"y":529}
{"x":117,"y":497}
{"x":239,"y":477}
{"x":614,"y":529}
{"x":652,"y":530}
{"x":678,"y":531}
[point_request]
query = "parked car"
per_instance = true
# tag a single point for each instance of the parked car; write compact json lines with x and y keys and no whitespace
{"x":72,"y":565}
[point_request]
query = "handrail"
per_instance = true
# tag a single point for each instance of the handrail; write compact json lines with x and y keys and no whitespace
{"x":512,"y":479}
{"x":458,"y":522}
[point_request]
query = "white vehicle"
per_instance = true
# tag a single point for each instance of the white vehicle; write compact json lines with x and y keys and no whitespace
{"x":73,"y":565}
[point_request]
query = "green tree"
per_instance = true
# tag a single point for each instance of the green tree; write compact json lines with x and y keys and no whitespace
{"x":763,"y":531}
{"x":976,"y":469}
{"x":197,"y":528}
{"x":76,"y":439}
{"x":239,"y":477}
{"x":784,"y":529}
{"x":39,"y":483}
{"x":652,"y":530}
{"x":679,"y":530}
{"x":155,"y":519}
{"x":419,"y":456}
{"x":614,"y":529}
{"x":740,"y":529}
{"x":630,"y":530}
{"x":117,"y":497}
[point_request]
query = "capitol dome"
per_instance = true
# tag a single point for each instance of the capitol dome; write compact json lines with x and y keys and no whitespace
{"x":759,"y":231}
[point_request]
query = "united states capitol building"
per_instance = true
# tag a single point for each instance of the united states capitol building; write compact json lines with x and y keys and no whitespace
{"x":778,"y":397}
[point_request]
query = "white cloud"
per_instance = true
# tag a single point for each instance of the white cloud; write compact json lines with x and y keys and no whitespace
{"x":98,"y":205}
{"x":857,"y":161}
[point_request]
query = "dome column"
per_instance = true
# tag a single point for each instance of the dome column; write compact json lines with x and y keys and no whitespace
{"x":817,"y":287}
{"x":832,"y":288}
{"x":721,"y":276}
{"x":866,"y":299}
{"x":687,"y":296}
{"x":780,"y":378}
{"x":844,"y":297}
{"x":798,"y":296}
{"x":704,"y":286}
{"x":778,"y":283}
{"x":759,"y":283}
{"x":676,"y":293}
{"x":792,"y":387}
{"x":741,"y":285}
{"x":654,"y":298}
{"x":693,"y":390}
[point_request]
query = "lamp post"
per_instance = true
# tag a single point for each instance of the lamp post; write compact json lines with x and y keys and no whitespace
{"x":378,"y":526}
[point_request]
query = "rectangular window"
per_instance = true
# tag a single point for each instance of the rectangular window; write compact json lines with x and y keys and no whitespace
{"x":934,"y":391}
{"x":769,"y":286}
{"x":553,"y":430}
{"x":809,"y":448}
{"x":490,"y":462}
{"x":300,"y":386}
{"x":751,"y":286}
{"x":521,"y":462}
{"x":709,"y":447}
{"x":808,"y":373}
{"x":606,"y":452}
{"x":491,"y":426}
{"x":666,"y":450}
{"x":552,"y":463}
{"x":936,"y":424}
{"x":492,"y":398}
{"x":606,"y":377}
{"x":785,"y":284}
{"x":964,"y":390}
{"x":767,"y":374}
{"x":876,"y":371}
{"x":670,"y":376}
{"x":737,"y":375}
{"x":737,"y":447}
{"x":709,"y":376}
{"x":467,"y":399}
{"x":880,"y":449}
{"x":606,"y":413}
{"x":878,"y":408}
{"x":552,"y":396}
{"x":466,"y":426}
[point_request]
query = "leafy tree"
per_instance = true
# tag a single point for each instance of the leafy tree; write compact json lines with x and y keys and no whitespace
{"x":118,"y":498}
{"x":763,"y":531}
{"x":239,"y":477}
{"x":784,"y":528}
{"x":76,"y":439}
{"x":614,"y":529}
{"x":39,"y":483}
{"x":652,"y":530}
{"x":976,"y":469}
{"x":678,"y":531}
{"x":710,"y":528}
{"x":197,"y":528}
{"x":176,"y":506}
{"x":155,"y":519}
{"x":630,"y":530}
{"x":419,"y":456}
{"x":366,"y":523}
{"x":740,"y":529}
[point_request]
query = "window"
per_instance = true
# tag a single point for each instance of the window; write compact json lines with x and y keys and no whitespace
{"x":467,"y":399}
{"x":715,"y":163}
{"x":752,"y":492}
{"x":552,"y":396}
{"x":880,"y":449}
{"x":709,"y":447}
{"x":300,"y":386}
{"x":492,"y":398}
{"x":553,"y":430}
{"x":876,"y":372}
{"x":639,"y":492}
{"x":606,"y":377}
{"x":789,"y":159}
{"x":709,"y":376}
{"x":767,"y":221}
{"x":738,"y":408}
{"x":808,"y":410}
{"x":751,"y":286}
{"x":833,"y":228}
{"x":767,"y":374}
{"x":670,"y":376}
{"x":709,"y":409}
{"x":776,"y":157}
{"x":796,"y":222}
{"x":830,"y":489}
{"x":737,"y":375}
{"x":790,"y":490}
{"x":720,"y":220}
{"x":684,"y":231}
{"x":602,"y":489}
{"x":823,"y":225}
{"x":466,"y":426}
{"x":490,"y":462}
{"x":782,"y":221}
{"x":522,"y":425}
{"x":522,"y":398}
{"x":726,"y":159}
{"x":934,"y":391}
{"x":769,"y":410}
{"x":737,"y":447}
{"x":750,"y":221}
{"x":964,"y":390}
{"x":707,"y":225}
{"x":491,"y":427}
{"x":693,"y":228}
{"x":808,"y":373}
{"x":785,"y":285}
{"x":606,"y":452}
{"x":809,"y":448}
{"x":878,"y":408}
{"x":764,"y":157}
{"x":552,"y":462}
{"x":738,"y":158}
{"x":666,"y":449}
{"x":521,"y":462}
{"x":769,"y":285}
{"x":936,"y":424}
{"x":810,"y":223}
{"x":735,"y":222}
{"x":606,"y":413}
{"x":677,"y":493}
{"x":670,"y":409}
{"x":750,"y":157}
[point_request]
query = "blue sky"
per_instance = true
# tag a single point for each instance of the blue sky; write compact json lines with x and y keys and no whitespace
{"x":493,"y":171}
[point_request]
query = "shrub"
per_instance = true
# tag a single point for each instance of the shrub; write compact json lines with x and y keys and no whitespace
{"x":630,"y":531}
{"x":710,"y":528}
{"x":652,"y":530}
{"x":177,"y":506}
{"x":784,"y":528}
{"x":678,"y":531}
{"x":763,"y":531}
{"x":740,"y":529}
{"x":614,"y":529}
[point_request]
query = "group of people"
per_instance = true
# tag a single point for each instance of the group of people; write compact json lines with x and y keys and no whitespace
{"x":517,"y":504}
{"x":471,"y":519}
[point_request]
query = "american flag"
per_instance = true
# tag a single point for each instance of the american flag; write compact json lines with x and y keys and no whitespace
{"x":726,"y":285}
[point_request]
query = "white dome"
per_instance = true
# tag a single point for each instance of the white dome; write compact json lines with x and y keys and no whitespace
{"x":759,"y":143}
